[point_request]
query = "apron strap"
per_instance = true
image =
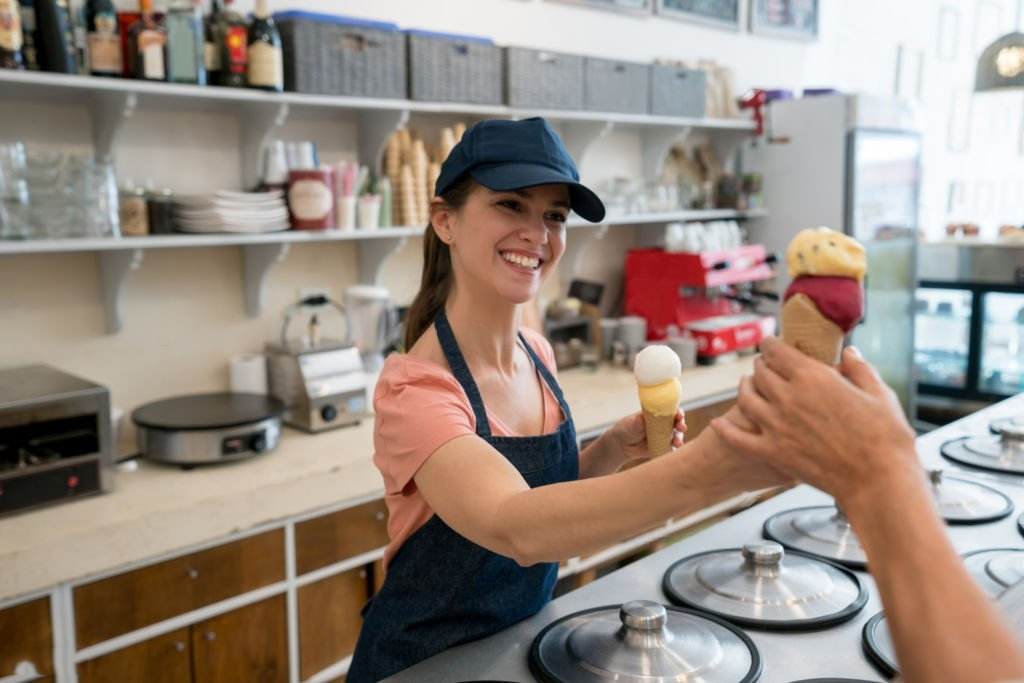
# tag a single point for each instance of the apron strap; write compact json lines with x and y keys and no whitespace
{"x":461,"y":371}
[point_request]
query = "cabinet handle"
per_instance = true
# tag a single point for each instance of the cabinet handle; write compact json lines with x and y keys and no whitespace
{"x":210,"y":635}
{"x":193,"y":574}
{"x":179,"y":646}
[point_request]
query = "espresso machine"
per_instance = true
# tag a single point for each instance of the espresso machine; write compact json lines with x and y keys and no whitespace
{"x":707,"y":295}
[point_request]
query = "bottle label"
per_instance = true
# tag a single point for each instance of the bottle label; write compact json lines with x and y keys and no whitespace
{"x":211,"y":56}
{"x":236,"y":49}
{"x":266,"y":65}
{"x":10,"y":25}
{"x":310,"y":200}
{"x":151,"y":51}
{"x":105,"y":45}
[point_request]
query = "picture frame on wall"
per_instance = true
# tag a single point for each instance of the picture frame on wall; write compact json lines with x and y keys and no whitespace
{"x":947,"y":41}
{"x":630,"y":6}
{"x":791,"y":19}
{"x":723,"y":14}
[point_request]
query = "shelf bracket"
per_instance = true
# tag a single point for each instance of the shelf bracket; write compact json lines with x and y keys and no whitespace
{"x":375,"y":127}
{"x":109,"y":112}
{"x":114,"y":268}
{"x":580,"y":135}
{"x":258,"y":122}
{"x":657,"y":144}
{"x":257,"y":260}
{"x":372,"y":255}
{"x":576,"y":244}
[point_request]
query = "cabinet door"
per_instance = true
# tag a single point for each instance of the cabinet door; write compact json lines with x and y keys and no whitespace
{"x":129,"y":601}
{"x":339,"y":535}
{"x":698,"y":419}
{"x":164,"y":659}
{"x":246,"y":645}
{"x":27,"y":637}
{"x":329,"y":620}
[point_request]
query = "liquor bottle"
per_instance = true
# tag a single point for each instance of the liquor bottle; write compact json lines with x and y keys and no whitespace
{"x":266,"y":60}
{"x":79,"y":32}
{"x":55,"y":38}
{"x":185,"y":42}
{"x":234,"y":59}
{"x":212,"y":40}
{"x":104,"y":38}
{"x":147,"y":46}
{"x":29,"y":52}
{"x":10,"y":35}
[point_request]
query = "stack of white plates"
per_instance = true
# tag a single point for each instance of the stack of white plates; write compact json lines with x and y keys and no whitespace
{"x":227,"y":211}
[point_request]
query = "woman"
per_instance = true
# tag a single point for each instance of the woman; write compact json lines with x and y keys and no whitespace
{"x":484,"y":484}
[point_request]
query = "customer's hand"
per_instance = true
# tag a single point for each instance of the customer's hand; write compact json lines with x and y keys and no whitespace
{"x":631,"y":434}
{"x":839,"y":429}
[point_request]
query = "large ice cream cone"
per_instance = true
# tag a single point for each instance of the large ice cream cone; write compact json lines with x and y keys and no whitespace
{"x":657,"y":369}
{"x":659,"y":432}
{"x":805,"y":328}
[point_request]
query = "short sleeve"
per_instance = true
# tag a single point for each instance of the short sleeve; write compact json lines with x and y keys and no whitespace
{"x":418,"y":407}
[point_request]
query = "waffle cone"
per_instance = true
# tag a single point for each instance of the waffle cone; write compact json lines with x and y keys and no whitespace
{"x":806,"y":329}
{"x":659,"y":432}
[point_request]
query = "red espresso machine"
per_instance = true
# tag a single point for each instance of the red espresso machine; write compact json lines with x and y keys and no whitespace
{"x":707,"y":295}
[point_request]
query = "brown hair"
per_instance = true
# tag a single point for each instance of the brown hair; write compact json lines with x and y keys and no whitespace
{"x":436,"y":283}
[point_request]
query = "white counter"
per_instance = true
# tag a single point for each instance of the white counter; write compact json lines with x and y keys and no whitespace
{"x":156,"y":510}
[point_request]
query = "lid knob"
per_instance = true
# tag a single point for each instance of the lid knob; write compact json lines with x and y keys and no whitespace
{"x":1012,"y":430}
{"x":935,"y":476}
{"x":643,"y":615}
{"x":763,"y":553}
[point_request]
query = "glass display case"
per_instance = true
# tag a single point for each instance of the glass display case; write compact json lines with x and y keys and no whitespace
{"x":1002,"y":343}
{"x":942,"y":334}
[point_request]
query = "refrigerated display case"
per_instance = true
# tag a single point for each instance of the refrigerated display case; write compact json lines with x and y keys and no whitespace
{"x":969,"y":324}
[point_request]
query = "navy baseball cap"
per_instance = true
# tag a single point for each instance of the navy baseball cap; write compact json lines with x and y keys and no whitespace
{"x":512,"y":155}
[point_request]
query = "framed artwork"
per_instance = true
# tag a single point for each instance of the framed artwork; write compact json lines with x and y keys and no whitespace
{"x":956,"y":202}
{"x":958,"y":138}
{"x":724,"y":14}
{"x":909,"y":72}
{"x":794,"y":19}
{"x":633,"y":6}
{"x":947,"y":39}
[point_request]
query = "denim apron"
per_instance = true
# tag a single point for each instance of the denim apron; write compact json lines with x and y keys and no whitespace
{"x":442,"y":589}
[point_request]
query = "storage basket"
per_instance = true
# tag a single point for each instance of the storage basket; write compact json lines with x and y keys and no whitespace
{"x":616,"y":86}
{"x":539,"y":79}
{"x":334,"y":55}
{"x":677,"y":92}
{"x":451,"y":68}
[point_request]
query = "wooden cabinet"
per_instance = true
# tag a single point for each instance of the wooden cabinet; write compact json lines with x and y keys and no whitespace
{"x":329,"y":620}
{"x":334,"y":537}
{"x":126,"y":602}
{"x":698,"y":419}
{"x":246,"y":645}
{"x":27,"y":637}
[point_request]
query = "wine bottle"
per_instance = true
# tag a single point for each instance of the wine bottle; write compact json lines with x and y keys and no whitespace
{"x":104,"y":38}
{"x":10,"y":35}
{"x":212,"y":41}
{"x":147,"y":46}
{"x":29,"y":53}
{"x":233,"y":42}
{"x":185,"y":42}
{"x":266,"y":60}
{"x":55,"y":37}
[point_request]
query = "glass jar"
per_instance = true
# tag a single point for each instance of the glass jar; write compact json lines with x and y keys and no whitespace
{"x":134,"y":212}
{"x":160,"y":210}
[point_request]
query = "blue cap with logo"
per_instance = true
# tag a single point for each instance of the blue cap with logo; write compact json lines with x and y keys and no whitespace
{"x":511,"y":155}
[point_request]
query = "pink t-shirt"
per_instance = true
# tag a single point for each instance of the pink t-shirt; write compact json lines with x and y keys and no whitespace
{"x":419,"y":406}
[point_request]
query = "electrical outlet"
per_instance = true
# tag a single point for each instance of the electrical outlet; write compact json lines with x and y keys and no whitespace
{"x":306,"y":292}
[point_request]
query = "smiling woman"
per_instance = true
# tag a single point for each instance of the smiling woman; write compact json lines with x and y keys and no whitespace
{"x":485,"y":486}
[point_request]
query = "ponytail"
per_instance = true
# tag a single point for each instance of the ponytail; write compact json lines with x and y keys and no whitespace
{"x":436,"y":282}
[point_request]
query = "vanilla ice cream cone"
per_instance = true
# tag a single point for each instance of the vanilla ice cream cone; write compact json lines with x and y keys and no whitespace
{"x":806,"y":329}
{"x":657,"y":369}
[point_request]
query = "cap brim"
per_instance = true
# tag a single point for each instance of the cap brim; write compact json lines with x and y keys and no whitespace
{"x":504,"y":177}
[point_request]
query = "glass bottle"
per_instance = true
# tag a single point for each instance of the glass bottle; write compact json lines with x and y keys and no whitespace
{"x":104,"y":38}
{"x":55,"y":36}
{"x":10,"y":35}
{"x":233,"y":34}
{"x":28,"y":34}
{"x":266,"y":60}
{"x":185,"y":41}
{"x":147,"y":46}
{"x":212,"y":40}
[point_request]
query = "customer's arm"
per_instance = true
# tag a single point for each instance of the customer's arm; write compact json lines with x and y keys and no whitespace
{"x":844,"y":433}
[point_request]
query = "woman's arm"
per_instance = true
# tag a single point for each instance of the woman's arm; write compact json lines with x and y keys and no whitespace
{"x":477,"y":492}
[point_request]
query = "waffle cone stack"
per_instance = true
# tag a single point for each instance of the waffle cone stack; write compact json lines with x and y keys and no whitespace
{"x":659,"y":432}
{"x":806,"y":329}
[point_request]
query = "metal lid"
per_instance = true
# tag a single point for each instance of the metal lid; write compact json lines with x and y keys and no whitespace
{"x":1020,"y":523}
{"x":997,"y":569}
{"x":1011,"y":604}
{"x":1013,"y":427}
{"x":643,"y":641}
{"x":822,"y":531}
{"x":878,"y":645}
{"x":1000,"y":453}
{"x":966,"y":502}
{"x":207,"y":411}
{"x":763,"y":585}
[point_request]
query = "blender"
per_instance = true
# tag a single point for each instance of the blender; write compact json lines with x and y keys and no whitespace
{"x":374,"y":322}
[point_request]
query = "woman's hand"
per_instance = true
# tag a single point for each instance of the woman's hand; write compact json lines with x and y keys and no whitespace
{"x":631,"y":434}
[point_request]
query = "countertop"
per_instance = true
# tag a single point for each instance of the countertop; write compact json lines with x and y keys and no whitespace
{"x":787,"y":656}
{"x":156,"y":511}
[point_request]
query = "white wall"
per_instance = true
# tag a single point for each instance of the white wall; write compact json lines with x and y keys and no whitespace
{"x":184,"y":314}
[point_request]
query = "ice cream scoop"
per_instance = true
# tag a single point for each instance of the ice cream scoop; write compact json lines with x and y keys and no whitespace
{"x":826,"y":299}
{"x":657,"y":370}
